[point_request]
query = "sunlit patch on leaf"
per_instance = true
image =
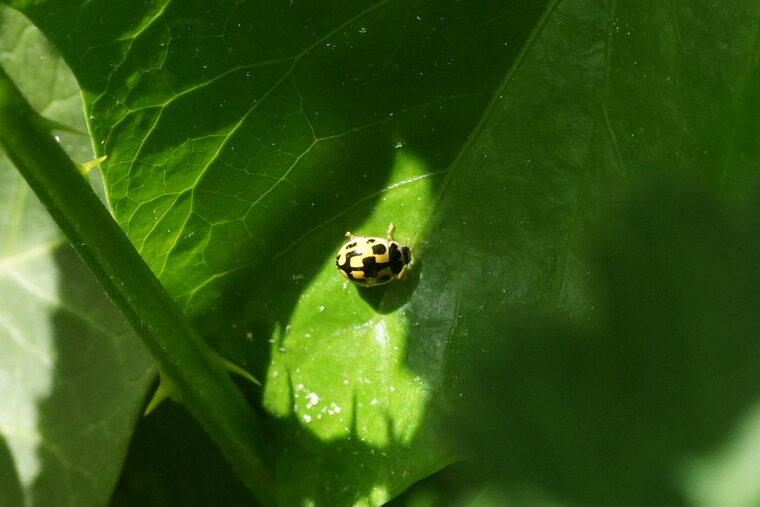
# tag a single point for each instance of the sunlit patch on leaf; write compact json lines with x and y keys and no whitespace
{"x":369,"y":392}
{"x":720,"y":477}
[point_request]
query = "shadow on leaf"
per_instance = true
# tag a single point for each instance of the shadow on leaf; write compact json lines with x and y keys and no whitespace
{"x":610,"y":411}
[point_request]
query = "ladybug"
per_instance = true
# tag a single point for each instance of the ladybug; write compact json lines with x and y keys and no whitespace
{"x":370,"y":261}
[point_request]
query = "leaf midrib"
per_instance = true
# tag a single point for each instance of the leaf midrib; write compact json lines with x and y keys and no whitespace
{"x":485,"y":115}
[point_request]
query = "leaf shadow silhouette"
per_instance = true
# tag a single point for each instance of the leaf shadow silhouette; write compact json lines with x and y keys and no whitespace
{"x":10,"y":483}
{"x":101,"y":371}
{"x":613,"y":408}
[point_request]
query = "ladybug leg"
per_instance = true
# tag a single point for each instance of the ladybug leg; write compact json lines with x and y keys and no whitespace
{"x":390,"y":231}
{"x":349,"y":235}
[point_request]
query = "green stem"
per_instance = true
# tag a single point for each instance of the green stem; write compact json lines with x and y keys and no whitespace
{"x":200,"y":379}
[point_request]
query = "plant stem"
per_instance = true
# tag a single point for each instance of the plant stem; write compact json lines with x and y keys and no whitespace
{"x":201,"y":381}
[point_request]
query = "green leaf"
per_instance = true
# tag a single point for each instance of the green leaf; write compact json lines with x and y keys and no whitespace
{"x":605,"y":98}
{"x":619,"y":417}
{"x":245,"y":138}
{"x":73,"y":374}
{"x":191,"y":371}
{"x":653,"y":400}
{"x":171,"y":461}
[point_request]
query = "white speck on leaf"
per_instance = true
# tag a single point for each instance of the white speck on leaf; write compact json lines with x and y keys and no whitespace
{"x":313,"y":400}
{"x":380,"y":333}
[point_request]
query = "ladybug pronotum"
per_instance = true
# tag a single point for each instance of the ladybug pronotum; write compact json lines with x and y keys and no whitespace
{"x":370,"y":261}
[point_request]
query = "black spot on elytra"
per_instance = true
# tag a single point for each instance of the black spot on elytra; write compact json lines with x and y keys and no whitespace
{"x":406,"y":253}
{"x":371,"y":267}
{"x":371,"y":240}
{"x":378,"y":249}
{"x":351,"y":255}
{"x":394,"y":259}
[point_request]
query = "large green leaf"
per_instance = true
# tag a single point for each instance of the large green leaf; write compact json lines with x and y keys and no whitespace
{"x":611,"y":398}
{"x":653,"y":399}
{"x":607,"y":96}
{"x":72,"y":375}
{"x":245,"y":138}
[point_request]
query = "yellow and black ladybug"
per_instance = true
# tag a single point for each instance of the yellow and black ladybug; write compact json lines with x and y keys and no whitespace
{"x":370,"y":261}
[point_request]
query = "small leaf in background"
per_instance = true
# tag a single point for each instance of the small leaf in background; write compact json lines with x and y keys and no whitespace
{"x":72,"y":375}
